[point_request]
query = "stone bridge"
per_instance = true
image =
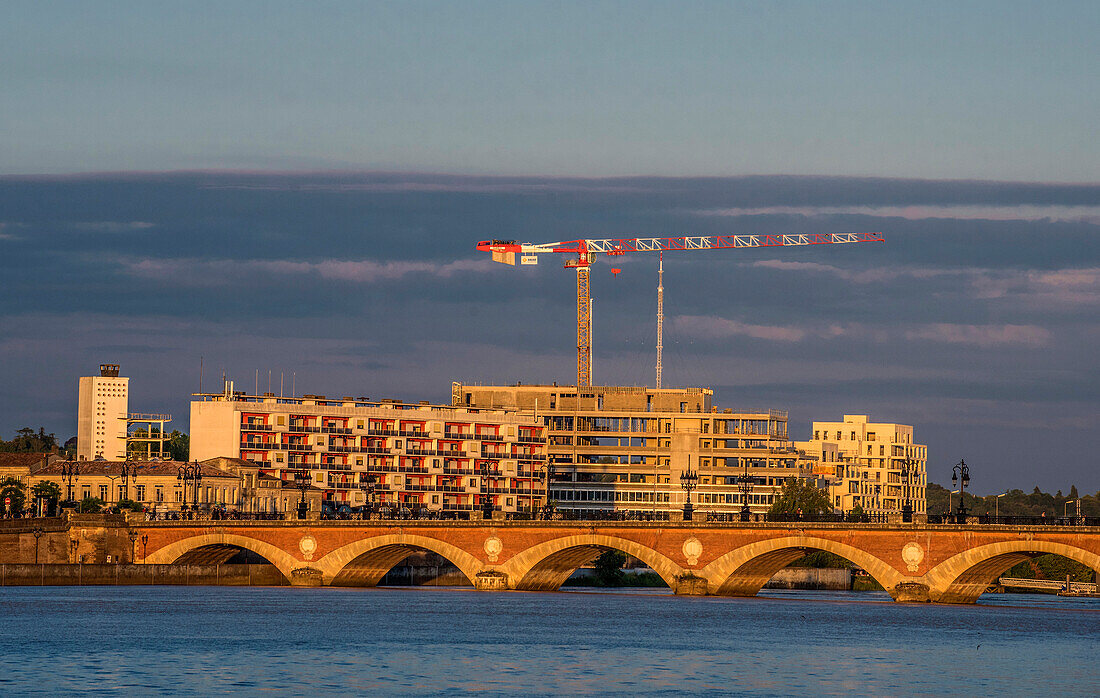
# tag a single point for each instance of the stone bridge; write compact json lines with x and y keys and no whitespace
{"x":913,"y":562}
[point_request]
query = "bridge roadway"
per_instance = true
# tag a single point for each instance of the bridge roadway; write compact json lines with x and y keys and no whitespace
{"x":913,"y":562}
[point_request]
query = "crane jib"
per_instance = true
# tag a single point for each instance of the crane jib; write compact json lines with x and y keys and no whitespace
{"x":617,"y":246}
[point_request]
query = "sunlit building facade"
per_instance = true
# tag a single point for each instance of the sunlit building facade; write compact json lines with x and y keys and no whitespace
{"x":369,"y":455}
{"x":627,"y":448}
{"x":876,"y":466}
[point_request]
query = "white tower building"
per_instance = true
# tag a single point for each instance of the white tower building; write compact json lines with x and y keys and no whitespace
{"x":102,"y":410}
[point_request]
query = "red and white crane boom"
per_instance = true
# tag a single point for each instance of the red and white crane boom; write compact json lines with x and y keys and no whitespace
{"x":584,"y":252}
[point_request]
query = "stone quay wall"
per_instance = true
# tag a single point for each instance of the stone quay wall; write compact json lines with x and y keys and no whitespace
{"x":127,"y":574}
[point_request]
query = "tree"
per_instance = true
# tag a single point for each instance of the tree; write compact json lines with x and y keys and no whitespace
{"x":178,"y":446}
{"x":49,"y":491}
{"x":89,"y":505}
{"x":856,"y":514}
{"x":12,"y":496}
{"x":129,"y":505}
{"x":800,"y":497}
{"x":609,"y":568}
{"x":27,"y":441}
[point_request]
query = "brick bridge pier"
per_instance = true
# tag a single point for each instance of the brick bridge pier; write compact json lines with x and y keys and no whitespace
{"x":913,"y":562}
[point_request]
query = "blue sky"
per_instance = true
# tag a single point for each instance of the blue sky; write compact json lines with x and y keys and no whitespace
{"x":992,"y":90}
{"x":298,"y":188}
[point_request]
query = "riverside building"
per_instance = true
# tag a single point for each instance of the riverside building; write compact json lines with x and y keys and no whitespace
{"x":454,"y":461}
{"x":156,"y":485}
{"x":875,"y":465}
{"x":626,"y":448}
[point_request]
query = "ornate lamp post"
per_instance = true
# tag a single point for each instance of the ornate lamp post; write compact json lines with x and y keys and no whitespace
{"x":37,"y":533}
{"x":133,"y":536}
{"x":370,"y":481}
{"x":547,"y":474}
{"x":689,"y":480}
{"x":908,"y":468}
{"x":129,"y":470}
{"x":960,"y":474}
{"x":144,"y":546}
{"x":302,"y":482}
{"x":69,"y":473}
{"x":744,"y":485}
{"x":189,"y":476}
{"x":486,"y":499}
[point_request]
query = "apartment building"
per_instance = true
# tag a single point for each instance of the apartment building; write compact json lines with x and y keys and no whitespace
{"x":626,"y":448}
{"x":875,"y":465}
{"x":455,"y":461}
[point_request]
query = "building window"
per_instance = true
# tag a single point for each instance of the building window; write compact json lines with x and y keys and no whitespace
{"x":141,"y":493}
{"x":103,"y":492}
{"x":160,"y":495}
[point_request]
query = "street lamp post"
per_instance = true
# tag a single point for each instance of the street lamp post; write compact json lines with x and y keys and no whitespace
{"x":689,"y":480}
{"x":37,"y":533}
{"x":486,"y":499}
{"x":908,"y":468}
{"x":547,"y":474}
{"x":370,"y":485}
{"x":144,"y":546}
{"x":129,"y":470}
{"x":744,"y":485}
{"x":189,"y":476}
{"x":133,"y":536}
{"x":1065,"y":509}
{"x":70,"y":472}
{"x":997,"y":506}
{"x":302,"y":482}
{"x":960,"y":475}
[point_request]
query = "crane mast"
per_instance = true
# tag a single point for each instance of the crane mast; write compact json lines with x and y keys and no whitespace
{"x":660,"y":316}
{"x":584,"y":252}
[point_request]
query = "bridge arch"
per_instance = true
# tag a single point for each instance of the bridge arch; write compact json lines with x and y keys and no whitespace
{"x":966,"y":576}
{"x":546,"y":566}
{"x":364,"y":562}
{"x":744,"y":570}
{"x":174,"y":552}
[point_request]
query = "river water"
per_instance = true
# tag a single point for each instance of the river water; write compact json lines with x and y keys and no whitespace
{"x":330,"y":641}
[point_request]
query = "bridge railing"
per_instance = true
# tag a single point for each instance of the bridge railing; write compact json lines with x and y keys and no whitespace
{"x":984,"y":519}
{"x":1048,"y":584}
{"x":768,"y":517}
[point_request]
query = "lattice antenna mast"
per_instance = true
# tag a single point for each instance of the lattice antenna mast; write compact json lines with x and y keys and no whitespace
{"x":660,"y":315}
{"x":584,"y":252}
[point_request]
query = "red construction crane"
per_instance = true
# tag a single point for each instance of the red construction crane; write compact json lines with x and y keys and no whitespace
{"x":584,"y":252}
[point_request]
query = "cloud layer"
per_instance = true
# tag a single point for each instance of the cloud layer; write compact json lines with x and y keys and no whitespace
{"x":976,"y":321}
